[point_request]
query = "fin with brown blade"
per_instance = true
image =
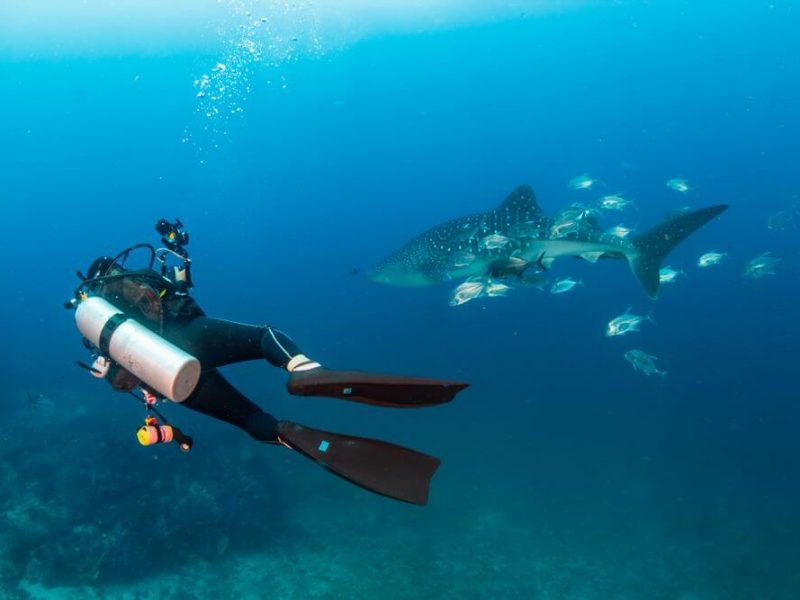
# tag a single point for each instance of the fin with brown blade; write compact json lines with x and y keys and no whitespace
{"x":380,"y":467}
{"x":372,"y":388}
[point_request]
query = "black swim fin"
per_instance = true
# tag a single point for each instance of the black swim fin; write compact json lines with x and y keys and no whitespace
{"x":377,"y":466}
{"x":372,"y":388}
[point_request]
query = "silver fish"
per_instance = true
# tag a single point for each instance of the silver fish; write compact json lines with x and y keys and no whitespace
{"x":494,"y":241}
{"x":786,"y":219}
{"x":709,"y":259}
{"x":763,"y":265}
{"x":564,"y":228}
{"x":625,"y":323}
{"x":619,"y":231}
{"x":643,"y":362}
{"x":614,"y":202}
{"x":562,"y":286}
{"x":581,"y":182}
{"x":575,"y":212}
{"x":668,"y":275}
{"x":495,"y":289}
{"x":469,"y":290}
{"x":679,"y":185}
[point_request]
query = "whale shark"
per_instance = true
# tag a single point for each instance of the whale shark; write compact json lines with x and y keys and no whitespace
{"x":469,"y":246}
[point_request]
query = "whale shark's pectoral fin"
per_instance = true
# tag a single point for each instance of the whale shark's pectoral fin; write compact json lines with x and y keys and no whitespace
{"x":654,"y":245}
{"x":592,"y":257}
{"x":540,"y":262}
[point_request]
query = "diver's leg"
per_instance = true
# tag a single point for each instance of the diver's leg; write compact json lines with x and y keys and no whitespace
{"x":281,"y":351}
{"x":216,"y":342}
{"x":378,"y":466}
{"x":216,"y":397}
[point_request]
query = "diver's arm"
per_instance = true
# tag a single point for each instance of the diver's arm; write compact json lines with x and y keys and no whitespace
{"x":182,"y":276}
{"x":120,"y":379}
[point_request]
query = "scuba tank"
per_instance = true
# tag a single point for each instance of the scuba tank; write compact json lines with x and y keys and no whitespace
{"x":161,"y":365}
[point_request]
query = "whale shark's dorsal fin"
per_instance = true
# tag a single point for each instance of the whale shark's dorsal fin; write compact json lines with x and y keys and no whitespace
{"x":520,"y":205}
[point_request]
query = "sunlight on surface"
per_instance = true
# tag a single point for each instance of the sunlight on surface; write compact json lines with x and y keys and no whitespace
{"x":124,"y":26}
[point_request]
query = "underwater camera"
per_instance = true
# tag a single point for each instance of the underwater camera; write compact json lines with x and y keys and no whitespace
{"x":172,"y":234}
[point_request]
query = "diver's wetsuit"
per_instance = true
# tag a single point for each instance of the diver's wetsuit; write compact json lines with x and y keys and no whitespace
{"x":216,"y":343}
{"x":163,"y":306}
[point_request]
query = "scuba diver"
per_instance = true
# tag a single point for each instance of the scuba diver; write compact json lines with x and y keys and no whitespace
{"x":147,"y":333}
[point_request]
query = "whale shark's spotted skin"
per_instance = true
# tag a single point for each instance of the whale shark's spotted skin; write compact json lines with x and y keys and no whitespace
{"x":453,"y":250}
{"x":438,"y":254}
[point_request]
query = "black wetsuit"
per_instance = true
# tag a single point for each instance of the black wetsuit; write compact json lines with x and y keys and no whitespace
{"x":215,"y":343}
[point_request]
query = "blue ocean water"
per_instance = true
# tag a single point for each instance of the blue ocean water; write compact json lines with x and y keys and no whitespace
{"x":565,"y":474}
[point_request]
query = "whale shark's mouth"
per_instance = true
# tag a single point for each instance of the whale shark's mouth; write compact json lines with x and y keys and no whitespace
{"x":399,"y":277}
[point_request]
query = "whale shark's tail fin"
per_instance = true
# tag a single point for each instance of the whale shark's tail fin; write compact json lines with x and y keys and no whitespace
{"x":654,"y":245}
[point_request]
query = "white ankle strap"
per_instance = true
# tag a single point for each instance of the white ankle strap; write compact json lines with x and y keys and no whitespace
{"x":301,"y":362}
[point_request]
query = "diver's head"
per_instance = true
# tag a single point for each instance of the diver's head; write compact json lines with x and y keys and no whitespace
{"x":100,"y":266}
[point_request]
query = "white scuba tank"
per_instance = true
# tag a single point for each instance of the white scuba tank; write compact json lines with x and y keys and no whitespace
{"x":161,"y":365}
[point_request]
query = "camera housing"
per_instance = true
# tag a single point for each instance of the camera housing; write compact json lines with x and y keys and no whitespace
{"x":172,"y":235}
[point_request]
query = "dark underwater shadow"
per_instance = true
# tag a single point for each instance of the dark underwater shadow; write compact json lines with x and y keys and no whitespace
{"x":81,"y":507}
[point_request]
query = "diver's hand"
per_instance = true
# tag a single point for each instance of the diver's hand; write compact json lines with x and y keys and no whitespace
{"x":120,"y":379}
{"x":100,"y":367}
{"x":150,"y":398}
